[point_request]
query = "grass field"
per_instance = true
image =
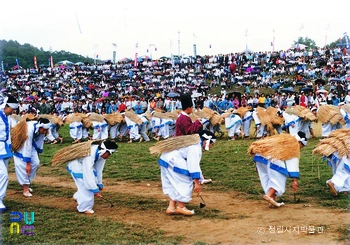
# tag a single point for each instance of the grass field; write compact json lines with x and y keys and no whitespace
{"x":227,"y":163}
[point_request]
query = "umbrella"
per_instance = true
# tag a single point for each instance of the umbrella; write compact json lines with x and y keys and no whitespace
{"x":321,"y":91}
{"x":334,"y":80}
{"x":58,"y":99}
{"x":287,"y":90}
{"x":195,"y":95}
{"x":173,"y":94}
{"x":276,"y":86}
{"x":307,"y":90}
{"x":105,"y":94}
{"x":300,"y":84}
{"x":79,"y":63}
{"x":347,"y":79}
{"x":320,"y":81}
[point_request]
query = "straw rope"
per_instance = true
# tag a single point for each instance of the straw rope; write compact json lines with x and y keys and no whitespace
{"x":338,"y":140}
{"x":277,"y":147}
{"x":73,"y":152}
{"x":174,"y":143}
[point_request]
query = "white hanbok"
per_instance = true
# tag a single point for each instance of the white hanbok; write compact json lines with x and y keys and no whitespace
{"x":178,"y":169}
{"x":87,"y":175}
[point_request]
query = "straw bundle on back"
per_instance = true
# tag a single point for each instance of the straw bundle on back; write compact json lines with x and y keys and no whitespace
{"x":133,"y":117}
{"x":160,"y":115}
{"x":111,"y":119}
{"x":324,"y":149}
{"x":274,"y":118}
{"x":278,"y":147}
{"x":119,"y":118}
{"x":338,"y":140}
{"x":171,"y":115}
{"x":263,"y":116}
{"x":194,"y":117}
{"x":177,"y":111}
{"x":329,"y":114}
{"x":174,"y":143}
{"x":19,"y":134}
{"x":53,"y":119}
{"x":228,"y":113}
{"x":87,"y":122}
{"x":216,"y":119}
{"x":243,"y":110}
{"x":72,"y":118}
{"x":73,"y":152}
{"x":208,"y":111}
{"x":16,"y":117}
{"x":346,"y":108}
{"x":96,"y":117}
{"x":202,"y":114}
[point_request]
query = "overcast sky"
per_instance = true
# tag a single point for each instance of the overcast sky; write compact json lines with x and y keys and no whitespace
{"x":89,"y":27}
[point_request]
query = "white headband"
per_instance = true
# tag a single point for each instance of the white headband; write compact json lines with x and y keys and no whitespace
{"x":208,"y":139}
{"x":13,"y":105}
{"x":104,"y":148}
{"x":302,"y":140}
{"x":44,"y":125}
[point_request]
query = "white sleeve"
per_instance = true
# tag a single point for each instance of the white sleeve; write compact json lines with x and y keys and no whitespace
{"x":88,"y":174}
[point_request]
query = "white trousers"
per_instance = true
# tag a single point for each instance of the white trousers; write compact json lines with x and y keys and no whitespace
{"x":270,"y":178}
{"x":341,"y":178}
{"x":3,"y":178}
{"x":177,"y":187}
{"x":84,"y":197}
{"x":20,"y":168}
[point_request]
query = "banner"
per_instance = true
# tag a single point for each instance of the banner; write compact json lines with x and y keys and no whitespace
{"x":2,"y":65}
{"x":51,"y":61}
{"x":135,"y":62}
{"x":114,"y":56}
{"x":35,"y":63}
{"x":17,"y":63}
{"x":346,"y":40}
{"x":194,"y":50}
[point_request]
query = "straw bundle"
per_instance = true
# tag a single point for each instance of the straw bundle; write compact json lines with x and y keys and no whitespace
{"x":208,"y":111}
{"x":338,"y":140}
{"x":19,"y":134}
{"x":177,"y":111}
{"x":324,"y":150}
{"x":228,"y":113}
{"x":346,"y":108}
{"x":243,"y":110}
{"x":278,"y":147}
{"x":119,"y":118}
{"x":148,"y":115}
{"x":72,"y":118}
{"x":194,"y":117}
{"x":30,"y":117}
{"x":171,"y":115}
{"x":263,"y":116}
{"x":87,"y":122}
{"x":329,"y":114}
{"x":133,"y":117}
{"x":96,"y":117}
{"x":216,"y":119}
{"x":16,"y":117}
{"x":160,"y":115}
{"x":53,"y":119}
{"x":202,"y":114}
{"x":73,"y":152}
{"x":174,"y":143}
{"x":111,"y":119}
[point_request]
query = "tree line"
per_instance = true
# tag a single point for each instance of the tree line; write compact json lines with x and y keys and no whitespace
{"x":12,"y":50}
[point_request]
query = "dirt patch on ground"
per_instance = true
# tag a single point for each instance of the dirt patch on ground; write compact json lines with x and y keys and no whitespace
{"x":244,"y":221}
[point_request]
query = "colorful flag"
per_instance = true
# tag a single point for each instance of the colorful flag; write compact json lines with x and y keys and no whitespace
{"x":135,"y":62}
{"x":209,"y":45}
{"x":271,"y":43}
{"x":96,"y":56}
{"x":2,"y":65}
{"x":17,"y":63}
{"x":155,"y":49}
{"x":35,"y":63}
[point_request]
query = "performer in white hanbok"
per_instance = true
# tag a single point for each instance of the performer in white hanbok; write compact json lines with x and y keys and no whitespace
{"x":345,"y":114}
{"x":247,"y":121}
{"x":10,"y":104}
{"x":276,"y":158}
{"x":26,"y":158}
{"x":233,"y":125}
{"x":87,"y":174}
{"x":260,"y":129}
{"x":180,"y":167}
